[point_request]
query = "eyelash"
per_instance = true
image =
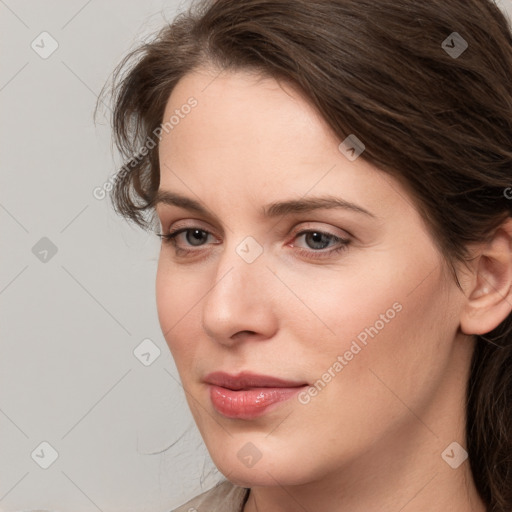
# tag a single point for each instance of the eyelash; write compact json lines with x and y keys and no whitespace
{"x":170,"y":238}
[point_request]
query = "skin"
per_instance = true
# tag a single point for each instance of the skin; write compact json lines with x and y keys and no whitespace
{"x":372,"y":438}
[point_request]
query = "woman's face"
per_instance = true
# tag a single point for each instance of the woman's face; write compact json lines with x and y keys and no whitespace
{"x":348,"y":306}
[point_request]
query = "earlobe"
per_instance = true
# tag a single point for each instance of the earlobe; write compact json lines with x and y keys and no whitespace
{"x":489,"y":302}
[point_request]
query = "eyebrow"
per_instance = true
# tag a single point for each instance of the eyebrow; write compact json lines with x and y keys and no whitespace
{"x":271,"y":210}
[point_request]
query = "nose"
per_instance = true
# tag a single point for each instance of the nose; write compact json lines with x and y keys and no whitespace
{"x":241,"y":303}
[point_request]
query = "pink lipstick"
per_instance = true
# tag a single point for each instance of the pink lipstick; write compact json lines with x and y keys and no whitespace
{"x":248,"y":395}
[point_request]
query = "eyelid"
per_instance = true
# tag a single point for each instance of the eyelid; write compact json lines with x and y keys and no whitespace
{"x":309,"y":226}
{"x":340,"y":243}
{"x":187,"y":224}
{"x":294,"y":232}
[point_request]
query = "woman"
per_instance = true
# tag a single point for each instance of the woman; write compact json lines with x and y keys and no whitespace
{"x":332,"y":184}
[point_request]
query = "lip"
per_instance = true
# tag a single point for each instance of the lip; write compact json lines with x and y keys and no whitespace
{"x":248,"y":395}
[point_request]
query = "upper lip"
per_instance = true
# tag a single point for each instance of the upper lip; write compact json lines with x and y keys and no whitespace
{"x":247,"y":380}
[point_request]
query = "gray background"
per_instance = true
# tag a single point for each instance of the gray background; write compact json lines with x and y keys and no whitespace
{"x":72,"y":319}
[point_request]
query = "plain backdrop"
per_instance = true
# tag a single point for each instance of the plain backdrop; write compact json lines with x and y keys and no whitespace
{"x":92,"y":415}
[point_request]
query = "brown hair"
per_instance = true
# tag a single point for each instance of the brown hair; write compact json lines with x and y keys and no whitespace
{"x":388,"y":72}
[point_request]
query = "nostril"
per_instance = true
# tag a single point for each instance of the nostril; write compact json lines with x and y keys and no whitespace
{"x":240,"y":333}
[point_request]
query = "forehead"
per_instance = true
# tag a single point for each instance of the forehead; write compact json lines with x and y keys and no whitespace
{"x":255,"y":139}
{"x":242,"y":113}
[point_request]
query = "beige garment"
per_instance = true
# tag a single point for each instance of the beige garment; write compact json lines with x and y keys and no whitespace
{"x":224,"y":497}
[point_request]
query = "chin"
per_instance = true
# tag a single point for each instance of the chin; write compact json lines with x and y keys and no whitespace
{"x":270,"y":470}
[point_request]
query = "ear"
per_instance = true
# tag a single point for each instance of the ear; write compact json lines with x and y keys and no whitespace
{"x":489,"y":298}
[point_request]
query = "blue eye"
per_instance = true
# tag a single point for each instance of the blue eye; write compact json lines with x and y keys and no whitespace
{"x":195,"y":236}
{"x":322,"y":238}
{"x":318,"y":237}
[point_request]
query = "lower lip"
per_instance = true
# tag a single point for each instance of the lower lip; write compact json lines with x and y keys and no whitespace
{"x":250,"y":403}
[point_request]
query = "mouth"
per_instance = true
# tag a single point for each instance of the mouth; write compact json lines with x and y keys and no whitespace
{"x":248,"y":395}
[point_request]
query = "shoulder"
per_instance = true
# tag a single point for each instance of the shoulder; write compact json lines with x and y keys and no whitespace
{"x":223,"y":497}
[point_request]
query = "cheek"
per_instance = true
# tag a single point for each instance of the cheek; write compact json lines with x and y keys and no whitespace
{"x":332,"y":307}
{"x":175,"y":300}
{"x":165,"y":300}
{"x":394,"y":339}
{"x":388,"y":310}
{"x":387,"y":369}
